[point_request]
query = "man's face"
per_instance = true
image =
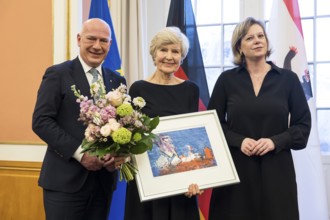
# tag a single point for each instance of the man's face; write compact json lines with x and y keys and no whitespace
{"x":94,"y":42}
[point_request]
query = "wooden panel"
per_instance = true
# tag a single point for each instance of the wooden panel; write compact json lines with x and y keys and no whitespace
{"x":20,"y":195}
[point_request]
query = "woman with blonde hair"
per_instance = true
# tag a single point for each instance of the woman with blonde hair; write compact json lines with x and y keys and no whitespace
{"x":165,"y":94}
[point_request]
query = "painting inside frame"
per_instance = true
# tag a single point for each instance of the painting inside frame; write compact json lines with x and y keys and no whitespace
{"x":190,"y":148}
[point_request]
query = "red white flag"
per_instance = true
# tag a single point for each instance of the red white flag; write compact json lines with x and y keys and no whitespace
{"x":287,"y":42}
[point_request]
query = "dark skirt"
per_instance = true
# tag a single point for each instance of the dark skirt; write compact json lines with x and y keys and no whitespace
{"x":170,"y":208}
{"x":267,"y":190}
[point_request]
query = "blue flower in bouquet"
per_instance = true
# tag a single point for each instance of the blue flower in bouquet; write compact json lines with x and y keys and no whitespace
{"x":115,"y":124}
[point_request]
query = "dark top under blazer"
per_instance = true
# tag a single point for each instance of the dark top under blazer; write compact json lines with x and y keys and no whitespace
{"x":55,"y":121}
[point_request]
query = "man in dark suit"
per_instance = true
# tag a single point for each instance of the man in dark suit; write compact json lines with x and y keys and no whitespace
{"x":76,"y":186}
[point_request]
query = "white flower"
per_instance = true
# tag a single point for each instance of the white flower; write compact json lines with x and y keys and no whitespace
{"x":97,"y":118}
{"x":139,"y":102}
{"x":127,"y":98}
{"x":114,"y":125}
{"x":105,"y":130}
{"x":95,"y":87}
{"x":122,"y":88}
{"x":138,"y":124}
{"x":115,"y":98}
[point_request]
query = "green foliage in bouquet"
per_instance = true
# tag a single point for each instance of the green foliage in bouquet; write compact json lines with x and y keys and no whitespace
{"x":115,"y":125}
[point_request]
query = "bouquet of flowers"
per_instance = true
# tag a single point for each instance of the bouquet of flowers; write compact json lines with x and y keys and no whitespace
{"x":115,"y":125}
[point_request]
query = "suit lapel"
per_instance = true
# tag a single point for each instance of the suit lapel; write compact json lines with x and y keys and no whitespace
{"x":108,"y":80}
{"x":111,"y":81}
{"x":79,"y":77}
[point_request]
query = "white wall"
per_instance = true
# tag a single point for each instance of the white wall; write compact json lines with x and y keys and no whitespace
{"x":326,"y":166}
{"x":60,"y":15}
{"x":155,"y":9}
{"x":27,"y":153}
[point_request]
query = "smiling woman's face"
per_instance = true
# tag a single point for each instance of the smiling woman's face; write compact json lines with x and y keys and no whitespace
{"x":168,"y":58}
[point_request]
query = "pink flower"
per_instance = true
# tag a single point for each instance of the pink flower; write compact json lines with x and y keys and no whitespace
{"x":89,"y":133}
{"x":111,"y":121}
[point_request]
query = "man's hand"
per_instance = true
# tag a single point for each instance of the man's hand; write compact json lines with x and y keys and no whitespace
{"x":112,"y":163}
{"x":91,"y":162}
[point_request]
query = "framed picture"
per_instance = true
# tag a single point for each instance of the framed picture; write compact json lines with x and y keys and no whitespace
{"x":190,"y":148}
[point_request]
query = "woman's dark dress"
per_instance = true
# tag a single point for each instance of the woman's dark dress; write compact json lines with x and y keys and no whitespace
{"x":267,"y":188}
{"x":163,"y":100}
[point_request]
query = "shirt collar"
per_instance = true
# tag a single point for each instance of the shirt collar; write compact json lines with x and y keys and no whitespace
{"x":273,"y":67}
{"x":88,"y":68}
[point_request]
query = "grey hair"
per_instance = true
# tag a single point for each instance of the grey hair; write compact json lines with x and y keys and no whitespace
{"x":169,"y":35}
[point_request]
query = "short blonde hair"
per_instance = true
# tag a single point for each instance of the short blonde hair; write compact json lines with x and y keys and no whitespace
{"x":239,"y":33}
{"x":169,"y":35}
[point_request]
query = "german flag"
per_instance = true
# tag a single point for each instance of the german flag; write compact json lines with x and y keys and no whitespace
{"x":182,"y":16}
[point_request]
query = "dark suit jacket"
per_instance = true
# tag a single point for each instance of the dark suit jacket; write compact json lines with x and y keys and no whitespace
{"x":55,"y":121}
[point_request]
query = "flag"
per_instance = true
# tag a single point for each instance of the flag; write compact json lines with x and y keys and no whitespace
{"x":287,"y":41}
{"x":181,"y":15}
{"x":100,"y":9}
